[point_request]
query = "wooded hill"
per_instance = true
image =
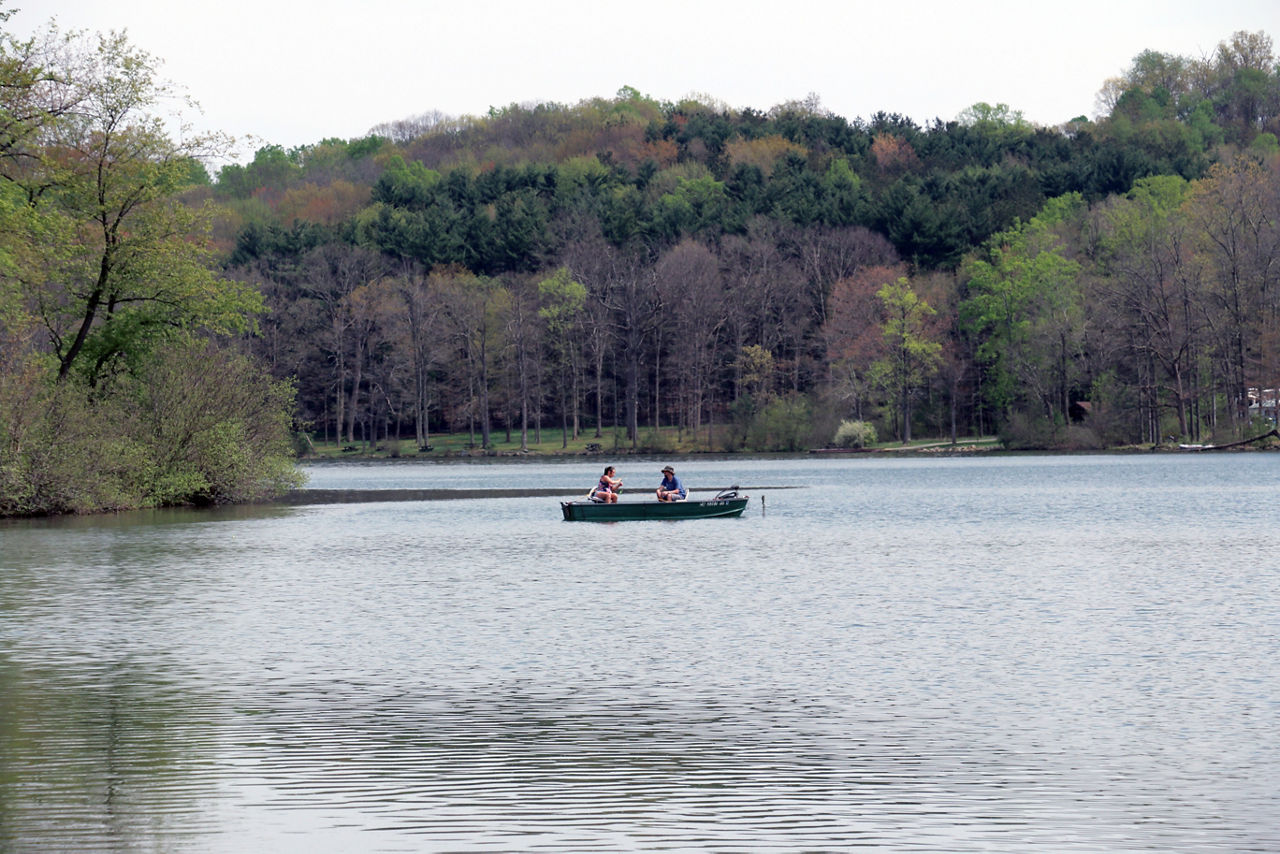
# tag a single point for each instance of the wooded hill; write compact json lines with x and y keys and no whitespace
{"x":625,"y":261}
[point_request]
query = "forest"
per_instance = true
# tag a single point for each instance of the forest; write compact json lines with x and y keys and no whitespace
{"x":770,"y":280}
{"x":755,"y":279}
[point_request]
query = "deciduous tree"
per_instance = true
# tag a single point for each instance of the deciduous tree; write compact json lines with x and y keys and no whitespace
{"x":912,"y":354}
{"x":563,"y":299}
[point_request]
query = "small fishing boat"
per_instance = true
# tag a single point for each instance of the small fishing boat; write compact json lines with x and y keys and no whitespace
{"x":726,"y":503}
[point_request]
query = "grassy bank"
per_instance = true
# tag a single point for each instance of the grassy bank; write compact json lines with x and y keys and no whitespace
{"x":611,"y":442}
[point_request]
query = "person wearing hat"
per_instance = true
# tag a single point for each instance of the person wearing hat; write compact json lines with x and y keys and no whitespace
{"x":671,"y":489}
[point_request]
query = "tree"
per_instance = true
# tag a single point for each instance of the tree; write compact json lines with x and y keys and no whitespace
{"x":1024,"y":307}
{"x":563,"y":299}
{"x":472,"y":308}
{"x":1235,"y":212}
{"x":692,"y":292}
{"x":765,"y":287}
{"x":524,"y":334}
{"x":828,"y":255}
{"x":216,"y":426}
{"x":332,"y":275}
{"x":622,"y":282}
{"x":115,"y":390}
{"x":854,"y":340}
{"x":421,"y":296}
{"x":1154,"y":292}
{"x":1247,"y":82}
{"x":132,"y":276}
{"x":756,"y":372}
{"x":912,"y":355}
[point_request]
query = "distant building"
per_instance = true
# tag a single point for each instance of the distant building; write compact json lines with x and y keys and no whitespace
{"x":1264,"y":403}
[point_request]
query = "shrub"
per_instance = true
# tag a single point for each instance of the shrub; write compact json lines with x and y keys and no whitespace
{"x":215,"y":425}
{"x":198,"y":424}
{"x":1028,"y":432}
{"x":783,"y":425}
{"x":855,"y":434}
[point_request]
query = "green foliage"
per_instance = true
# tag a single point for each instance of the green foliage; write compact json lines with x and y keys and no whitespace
{"x":783,"y":425}
{"x":1002,"y":124}
{"x":757,"y":371}
{"x":919,"y":226}
{"x":846,"y":199}
{"x":912,"y":353}
{"x":158,"y":285}
{"x":198,"y":425}
{"x":779,"y":423}
{"x":271,"y":166}
{"x":214,"y":427}
{"x":366,"y":147}
{"x":406,"y":185}
{"x":109,"y":301}
{"x":64,"y":453}
{"x":563,"y":300}
{"x":1023,"y":307}
{"x":693,"y":207}
{"x":855,"y":434}
{"x":1265,"y":144}
{"x":585,"y":175}
{"x":1230,"y":96}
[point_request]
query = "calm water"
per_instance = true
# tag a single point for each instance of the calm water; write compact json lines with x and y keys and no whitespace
{"x":1053,"y":653}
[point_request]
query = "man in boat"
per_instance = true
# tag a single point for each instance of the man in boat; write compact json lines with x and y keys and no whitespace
{"x":607,"y":489}
{"x":671,"y":489}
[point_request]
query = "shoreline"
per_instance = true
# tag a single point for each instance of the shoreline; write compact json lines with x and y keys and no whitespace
{"x":302,"y":497}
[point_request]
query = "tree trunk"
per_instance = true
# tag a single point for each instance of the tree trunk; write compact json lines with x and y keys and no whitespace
{"x":599,"y":392}
{"x":352,"y":404}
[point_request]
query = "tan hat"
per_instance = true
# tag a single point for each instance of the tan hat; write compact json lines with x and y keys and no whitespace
{"x":668,"y":469}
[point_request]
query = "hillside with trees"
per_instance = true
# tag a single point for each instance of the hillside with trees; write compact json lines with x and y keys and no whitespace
{"x":751,"y":279}
{"x":630,"y":262}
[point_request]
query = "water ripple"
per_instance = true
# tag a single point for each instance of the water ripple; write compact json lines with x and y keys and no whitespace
{"x":940,"y":657}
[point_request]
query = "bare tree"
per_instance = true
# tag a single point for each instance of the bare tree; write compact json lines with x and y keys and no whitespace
{"x":524,"y":335}
{"x":765,"y":286}
{"x":692,"y":292}
{"x":622,"y":282}
{"x":828,"y":254}
{"x":420,"y":293}
{"x":1235,"y":212}
{"x":331,"y":274}
{"x":472,"y":307}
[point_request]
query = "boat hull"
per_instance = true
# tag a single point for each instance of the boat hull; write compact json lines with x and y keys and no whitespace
{"x":630,"y":511}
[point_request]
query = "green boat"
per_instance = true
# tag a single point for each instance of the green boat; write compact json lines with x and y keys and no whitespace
{"x":726,"y":503}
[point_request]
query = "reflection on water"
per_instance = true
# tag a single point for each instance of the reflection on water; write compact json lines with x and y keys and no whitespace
{"x":1070,"y":654}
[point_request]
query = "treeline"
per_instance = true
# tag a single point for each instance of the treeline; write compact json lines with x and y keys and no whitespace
{"x":624,"y":261}
{"x":123,"y":378}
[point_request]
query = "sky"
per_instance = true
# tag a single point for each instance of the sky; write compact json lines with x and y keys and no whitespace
{"x":294,"y":72}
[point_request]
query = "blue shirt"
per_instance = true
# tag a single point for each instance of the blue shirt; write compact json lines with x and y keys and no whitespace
{"x":671,"y":482}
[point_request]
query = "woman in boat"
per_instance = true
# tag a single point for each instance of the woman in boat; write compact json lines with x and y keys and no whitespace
{"x":607,"y":489}
{"x":671,"y":489}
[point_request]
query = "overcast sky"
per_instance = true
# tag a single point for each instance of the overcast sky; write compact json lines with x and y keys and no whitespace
{"x":293,"y":72}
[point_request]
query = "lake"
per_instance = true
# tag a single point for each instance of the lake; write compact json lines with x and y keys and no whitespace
{"x":995,"y":653}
